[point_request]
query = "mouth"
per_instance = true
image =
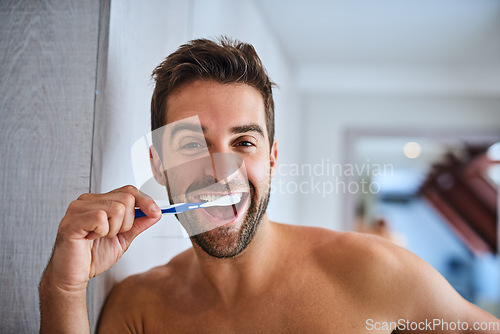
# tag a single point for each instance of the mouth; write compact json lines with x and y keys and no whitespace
{"x":223,"y":215}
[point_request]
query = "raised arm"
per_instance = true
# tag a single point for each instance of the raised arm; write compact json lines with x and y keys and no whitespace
{"x":95,"y":232}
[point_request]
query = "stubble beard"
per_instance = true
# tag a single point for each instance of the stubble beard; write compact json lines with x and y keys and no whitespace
{"x":226,"y":241}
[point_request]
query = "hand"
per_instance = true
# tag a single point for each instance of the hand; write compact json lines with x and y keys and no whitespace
{"x":95,"y":232}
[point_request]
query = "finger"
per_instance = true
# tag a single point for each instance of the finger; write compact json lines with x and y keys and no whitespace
{"x":115,"y":213}
{"x":113,"y":208}
{"x":120,"y":220}
{"x":105,"y":201}
{"x":140,"y":225}
{"x":82,"y":225}
{"x":128,"y":201}
{"x":143,"y":201}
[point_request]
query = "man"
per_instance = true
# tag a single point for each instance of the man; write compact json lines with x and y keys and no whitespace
{"x":251,"y":275}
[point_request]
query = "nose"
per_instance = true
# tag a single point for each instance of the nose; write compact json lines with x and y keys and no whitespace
{"x":223,"y":166}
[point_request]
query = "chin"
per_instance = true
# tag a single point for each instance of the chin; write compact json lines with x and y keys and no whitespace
{"x":231,"y":239}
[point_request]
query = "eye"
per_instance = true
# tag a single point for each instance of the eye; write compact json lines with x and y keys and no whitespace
{"x":245,"y":143}
{"x":191,"y":145}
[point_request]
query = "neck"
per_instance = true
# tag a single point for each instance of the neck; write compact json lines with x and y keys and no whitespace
{"x":247,"y":273}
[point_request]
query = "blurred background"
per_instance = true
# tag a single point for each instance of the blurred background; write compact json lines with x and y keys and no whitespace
{"x":387,"y":115}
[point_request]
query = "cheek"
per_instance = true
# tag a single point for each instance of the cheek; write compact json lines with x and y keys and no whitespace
{"x":181,"y":177}
{"x":258,"y":173}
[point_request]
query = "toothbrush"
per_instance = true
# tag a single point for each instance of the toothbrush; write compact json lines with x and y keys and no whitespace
{"x":181,"y":207}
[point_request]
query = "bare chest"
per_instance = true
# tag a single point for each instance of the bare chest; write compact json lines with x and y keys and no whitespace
{"x":301,"y":307}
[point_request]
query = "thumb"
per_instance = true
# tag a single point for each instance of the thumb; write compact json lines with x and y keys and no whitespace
{"x":139,"y":226}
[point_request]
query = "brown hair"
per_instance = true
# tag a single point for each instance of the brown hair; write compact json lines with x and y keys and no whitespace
{"x":224,"y":61}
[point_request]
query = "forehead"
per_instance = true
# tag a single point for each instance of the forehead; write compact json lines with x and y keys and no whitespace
{"x":218,"y":106}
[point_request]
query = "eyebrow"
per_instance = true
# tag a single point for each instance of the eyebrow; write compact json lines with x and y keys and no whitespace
{"x":186,"y":127}
{"x":247,"y":128}
{"x":196,"y":128}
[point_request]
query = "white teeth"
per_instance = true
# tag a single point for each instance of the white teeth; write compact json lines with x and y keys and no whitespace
{"x":236,"y":197}
{"x":209,"y":198}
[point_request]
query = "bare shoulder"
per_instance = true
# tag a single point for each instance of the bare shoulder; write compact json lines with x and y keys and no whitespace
{"x":333,"y":246}
{"x":365,"y":267}
{"x":369,"y":264}
{"x":364,"y":252}
{"x":359,"y":251}
{"x":137,"y":296}
{"x":386,"y":279}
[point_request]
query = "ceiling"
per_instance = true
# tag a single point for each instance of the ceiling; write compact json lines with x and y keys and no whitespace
{"x":387,"y":31}
{"x":425,"y":41}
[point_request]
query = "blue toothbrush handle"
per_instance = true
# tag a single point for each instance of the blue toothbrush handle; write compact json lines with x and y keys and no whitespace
{"x":139,"y":213}
{"x":176,"y":208}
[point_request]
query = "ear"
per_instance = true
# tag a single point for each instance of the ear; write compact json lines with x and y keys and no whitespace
{"x":156,"y":165}
{"x":273,"y":158}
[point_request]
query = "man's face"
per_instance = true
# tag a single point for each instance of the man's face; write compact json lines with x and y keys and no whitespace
{"x":232,"y":117}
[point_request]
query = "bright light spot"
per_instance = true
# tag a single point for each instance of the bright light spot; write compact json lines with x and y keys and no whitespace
{"x":494,"y":173}
{"x":494,"y":152}
{"x":412,"y":150}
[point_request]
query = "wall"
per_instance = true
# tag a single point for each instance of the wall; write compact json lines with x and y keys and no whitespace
{"x":331,"y":116}
{"x":48,"y":74}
